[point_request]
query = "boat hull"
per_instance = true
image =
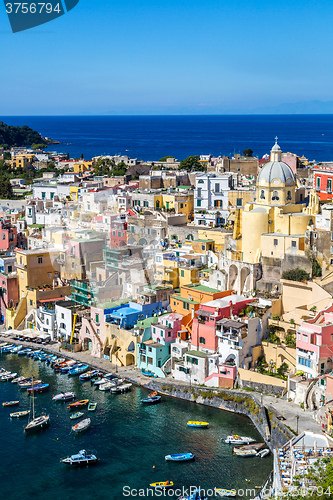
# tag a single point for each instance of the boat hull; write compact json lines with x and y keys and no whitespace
{"x":201,"y":425}
{"x":180,"y":457}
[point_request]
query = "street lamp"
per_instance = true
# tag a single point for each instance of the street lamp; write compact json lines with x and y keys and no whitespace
{"x":297,"y":418}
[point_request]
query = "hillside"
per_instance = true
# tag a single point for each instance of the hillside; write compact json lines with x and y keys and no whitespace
{"x":19,"y":136}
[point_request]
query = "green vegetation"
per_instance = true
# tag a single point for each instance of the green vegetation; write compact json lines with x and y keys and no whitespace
{"x":192,"y":163}
{"x":316,"y":268}
{"x":296,"y":275}
{"x":276,"y":317}
{"x":248,"y":152}
{"x":19,"y":136}
{"x":165,"y":158}
{"x":106,"y":166}
{"x":290,"y":340}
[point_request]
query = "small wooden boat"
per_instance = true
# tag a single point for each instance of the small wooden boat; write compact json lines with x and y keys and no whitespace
{"x":88,"y":375}
{"x":78,"y":370}
{"x":92,"y":406}
{"x":225,"y":493}
{"x":76,"y":415}
{"x":235,"y":439}
{"x":180,"y":457}
{"x":82,"y":426}
{"x":7,"y":377}
{"x":151,"y":401}
{"x":201,"y":425}
{"x":152,"y":394}
{"x":26,"y":385}
{"x":64,"y":396}
{"x":39,"y":388}
{"x":244,"y":453}
{"x":106,"y":386}
{"x":161,"y":485}
{"x":253,"y":446}
{"x":77,"y":404}
{"x":81,"y":458}
{"x":18,"y":379}
{"x":10,"y":403}
{"x":19,"y":414}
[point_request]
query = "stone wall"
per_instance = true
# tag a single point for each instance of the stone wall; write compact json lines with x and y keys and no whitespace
{"x":261,"y":383}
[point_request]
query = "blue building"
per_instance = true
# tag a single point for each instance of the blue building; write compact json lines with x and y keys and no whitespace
{"x":127,"y":315}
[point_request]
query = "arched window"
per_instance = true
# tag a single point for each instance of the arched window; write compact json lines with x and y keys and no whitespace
{"x":275,"y":196}
{"x":262,"y":194}
{"x":289,"y":197}
{"x":202,"y":340}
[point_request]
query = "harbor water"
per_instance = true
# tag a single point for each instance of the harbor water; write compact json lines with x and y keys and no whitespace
{"x":130,"y":439}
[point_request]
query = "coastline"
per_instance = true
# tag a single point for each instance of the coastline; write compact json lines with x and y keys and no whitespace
{"x":261,"y":413}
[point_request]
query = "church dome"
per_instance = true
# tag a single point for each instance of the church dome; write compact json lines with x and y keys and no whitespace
{"x":276,"y":170}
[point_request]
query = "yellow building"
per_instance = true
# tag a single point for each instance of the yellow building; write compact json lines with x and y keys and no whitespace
{"x":36,"y":268}
{"x":274,"y":223}
{"x":82,"y":166}
{"x":22,"y":160}
{"x":74,"y":192}
{"x":180,"y":203}
{"x":218,"y":236}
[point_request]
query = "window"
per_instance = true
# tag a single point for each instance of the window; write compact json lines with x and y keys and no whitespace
{"x":43,"y":195}
{"x":276,"y":242}
{"x":143,"y":358}
{"x":40,"y":260}
{"x":10,"y":269}
{"x":114,"y":233}
{"x":150,"y":361}
{"x":305,"y":338}
{"x":217,"y":188}
{"x":31,"y":302}
{"x":329,"y":185}
{"x":194,"y":361}
{"x":62,"y":316}
{"x":154,"y":330}
{"x":97,"y":318}
{"x":304,"y":362}
{"x":289,"y":197}
{"x":22,"y":276}
{"x":262,"y":194}
{"x":275,"y":196}
{"x":239,"y":202}
{"x":200,"y":181}
{"x":199,"y":192}
{"x":202,"y":340}
{"x":3,"y":236}
{"x":198,"y":203}
{"x":294,"y":244}
{"x":182,"y":205}
{"x":318,"y":183}
{"x":203,"y":247}
{"x":217,"y":203}
{"x":182,"y":273}
{"x":49,"y":275}
{"x":119,"y":233}
{"x":47,"y":321}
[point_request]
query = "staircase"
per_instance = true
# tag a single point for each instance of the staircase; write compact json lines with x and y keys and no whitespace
{"x":308,"y":392}
{"x":95,"y":333}
{"x":166,"y":368}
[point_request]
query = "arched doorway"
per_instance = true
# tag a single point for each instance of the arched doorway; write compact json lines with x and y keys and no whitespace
{"x":142,"y":241}
{"x":87,"y":344}
{"x":233,"y":275}
{"x":130,"y":359}
{"x":245,"y":273}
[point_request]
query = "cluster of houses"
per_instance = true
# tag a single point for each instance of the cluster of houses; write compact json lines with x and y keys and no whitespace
{"x":181,"y":274}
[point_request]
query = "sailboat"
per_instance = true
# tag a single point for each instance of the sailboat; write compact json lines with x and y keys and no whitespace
{"x":36,"y":423}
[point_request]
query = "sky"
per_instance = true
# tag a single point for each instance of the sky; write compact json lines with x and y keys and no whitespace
{"x":171,"y":57}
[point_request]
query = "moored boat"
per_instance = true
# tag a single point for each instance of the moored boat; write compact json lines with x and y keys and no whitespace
{"x":77,"y":404}
{"x":8,"y":376}
{"x":225,"y":493}
{"x":92,"y":406}
{"x":245,"y":453}
{"x":263,"y":453}
{"x":76,"y":415}
{"x":82,"y":426}
{"x":202,"y":425}
{"x":19,"y":414}
{"x":253,"y":446}
{"x":236,"y":439}
{"x":28,"y":383}
{"x":106,"y":386}
{"x":88,"y":375}
{"x":81,"y":458}
{"x":64,"y":396}
{"x":18,"y":379}
{"x":39,"y":388}
{"x":121,"y":388}
{"x":151,"y":400}
{"x":37,"y":423}
{"x":11,"y":403}
{"x":179,"y":457}
{"x":161,"y":485}
{"x":78,"y":370}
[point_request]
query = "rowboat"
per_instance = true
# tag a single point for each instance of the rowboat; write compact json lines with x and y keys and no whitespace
{"x":235,"y":439}
{"x":70,"y":366}
{"x":90,"y":374}
{"x":81,"y":458}
{"x":10,"y":403}
{"x":82,"y":426}
{"x":18,"y":414}
{"x":8,"y":376}
{"x":92,"y":406}
{"x":64,"y":396}
{"x":153,"y":400}
{"x":225,"y":493}
{"x":179,"y":457}
{"x":244,"y":453}
{"x":77,"y":404}
{"x":161,"y":485}
{"x":78,"y":370}
{"x":39,"y":388}
{"x":253,"y":446}
{"x":26,"y":385}
{"x":202,"y":425}
{"x":76,"y":415}
{"x":147,"y":373}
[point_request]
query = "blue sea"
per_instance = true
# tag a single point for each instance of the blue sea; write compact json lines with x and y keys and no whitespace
{"x":152,"y":137}
{"x":130,"y":439}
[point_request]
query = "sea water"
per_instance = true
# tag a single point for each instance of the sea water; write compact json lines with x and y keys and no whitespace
{"x":130,"y":439}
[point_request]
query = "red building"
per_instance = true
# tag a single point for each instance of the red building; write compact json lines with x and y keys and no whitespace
{"x":323,"y":180}
{"x":118,"y":232}
{"x":9,"y":293}
{"x":8,"y":235}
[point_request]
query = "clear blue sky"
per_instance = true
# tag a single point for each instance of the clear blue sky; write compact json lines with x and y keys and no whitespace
{"x":169,"y":57}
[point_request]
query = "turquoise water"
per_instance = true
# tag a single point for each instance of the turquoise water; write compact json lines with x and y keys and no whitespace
{"x":128,"y":437}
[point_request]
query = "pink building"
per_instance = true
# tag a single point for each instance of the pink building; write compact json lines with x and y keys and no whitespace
{"x":166,"y":329}
{"x":8,"y":235}
{"x":314,"y":344}
{"x":9,"y":293}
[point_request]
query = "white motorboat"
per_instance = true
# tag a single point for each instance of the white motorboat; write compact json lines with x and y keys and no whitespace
{"x":64,"y":396}
{"x":82,"y":458}
{"x":82,"y":426}
{"x":37,"y":423}
{"x":18,"y":379}
{"x":121,"y":388}
{"x":236,"y":439}
{"x":106,"y":386}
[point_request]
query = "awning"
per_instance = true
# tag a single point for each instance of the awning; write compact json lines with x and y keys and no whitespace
{"x":52,"y":300}
{"x":44,"y":336}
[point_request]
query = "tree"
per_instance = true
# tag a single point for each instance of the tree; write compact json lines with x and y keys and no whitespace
{"x":192,"y":163}
{"x":248,"y":152}
{"x":6,"y":189}
{"x":104,"y":166}
{"x":282,"y":369}
{"x":165,"y":158}
{"x":119,"y":169}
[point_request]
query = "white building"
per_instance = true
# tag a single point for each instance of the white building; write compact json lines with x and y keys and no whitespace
{"x":211,"y":199}
{"x":64,"y":319}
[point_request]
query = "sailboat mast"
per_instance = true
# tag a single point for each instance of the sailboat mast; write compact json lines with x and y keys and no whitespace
{"x":33,"y":400}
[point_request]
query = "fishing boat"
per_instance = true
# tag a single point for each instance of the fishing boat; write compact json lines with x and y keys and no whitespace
{"x":90,"y":374}
{"x":202,"y":425}
{"x":121,"y":388}
{"x":194,"y":496}
{"x":26,"y":385}
{"x":161,"y":485}
{"x":81,"y":458}
{"x":225,"y":493}
{"x":70,"y":366}
{"x":180,"y":457}
{"x":37,"y":423}
{"x":24,"y":352}
{"x":235,"y":439}
{"x":92,"y":406}
{"x":39,"y":388}
{"x":78,"y":370}
{"x":76,"y":415}
{"x":64,"y":396}
{"x":19,"y":414}
{"x":77,"y":404}
{"x":151,"y":401}
{"x":10,"y":403}
{"x":253,"y":446}
{"x":82,"y":426}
